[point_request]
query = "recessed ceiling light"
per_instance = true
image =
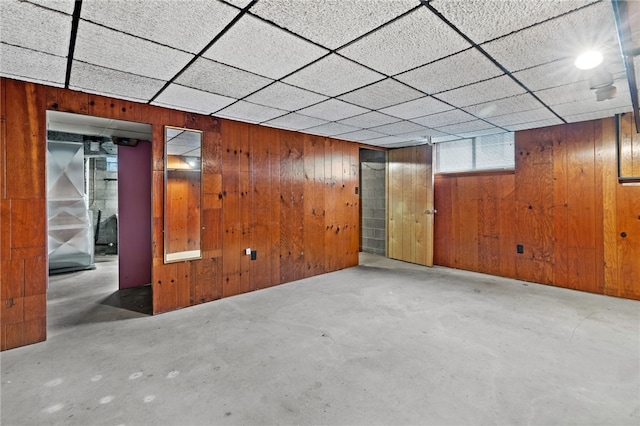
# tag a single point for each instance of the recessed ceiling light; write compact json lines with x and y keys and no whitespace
{"x":589,"y":60}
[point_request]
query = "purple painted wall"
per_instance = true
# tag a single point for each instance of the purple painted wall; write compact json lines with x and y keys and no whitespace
{"x":134,"y":215}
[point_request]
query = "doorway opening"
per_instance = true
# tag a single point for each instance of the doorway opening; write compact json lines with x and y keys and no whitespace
{"x":373,"y":201}
{"x":99,"y":216}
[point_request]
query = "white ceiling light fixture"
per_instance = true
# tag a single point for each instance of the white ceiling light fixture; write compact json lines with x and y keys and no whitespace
{"x":588,"y":60}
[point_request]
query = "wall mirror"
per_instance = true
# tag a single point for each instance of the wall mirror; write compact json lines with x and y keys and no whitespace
{"x":182,"y":194}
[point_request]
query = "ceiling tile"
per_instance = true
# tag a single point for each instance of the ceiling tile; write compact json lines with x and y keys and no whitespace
{"x":209,"y":76}
{"x":484,"y":20}
{"x":565,"y":37}
{"x":321,"y":77}
{"x":565,"y":94}
{"x":422,"y":135}
{"x":188,"y":99}
{"x":413,"y":40}
{"x":600,"y":113}
{"x":111,"y":49}
{"x":333,"y":110}
{"x":469,"y":126}
{"x":94,"y":79}
{"x":621,"y":103}
{"x":417,"y":108}
{"x":186,"y":24}
{"x":26,"y":64}
{"x":239,"y":3}
{"x":534,"y":124}
{"x":553,"y":74}
{"x":64,"y":6}
{"x":444,"y":118}
{"x":33,"y":27}
{"x":388,"y":140}
{"x":331,"y":23}
{"x":251,"y":113}
{"x":523,"y":102}
{"x":453,"y":71}
{"x":361,"y":135}
{"x":295,"y":121}
{"x":511,"y":119}
{"x":485,"y":91}
{"x":331,"y":129}
{"x":485,"y":132}
{"x":283,"y":96}
{"x":369,"y":119}
{"x":447,"y":138}
{"x":399,"y":128}
{"x":263,"y":49}
{"x":382,"y":94}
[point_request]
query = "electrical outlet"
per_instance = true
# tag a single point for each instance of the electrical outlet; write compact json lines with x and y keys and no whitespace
{"x":520,"y":248}
{"x":247,"y":251}
{"x":254,"y":254}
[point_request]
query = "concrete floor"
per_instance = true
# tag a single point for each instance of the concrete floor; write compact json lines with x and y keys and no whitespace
{"x":383,"y":343}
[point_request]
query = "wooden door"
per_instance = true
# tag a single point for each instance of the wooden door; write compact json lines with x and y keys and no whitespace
{"x":410,"y":205}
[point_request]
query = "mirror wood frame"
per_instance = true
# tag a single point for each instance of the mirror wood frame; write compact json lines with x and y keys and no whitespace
{"x":182,"y":194}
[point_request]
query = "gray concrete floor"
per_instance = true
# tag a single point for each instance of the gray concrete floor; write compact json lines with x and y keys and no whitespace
{"x":382,"y":343}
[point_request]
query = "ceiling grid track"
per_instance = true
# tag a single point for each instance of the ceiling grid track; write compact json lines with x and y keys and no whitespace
{"x":199,"y":54}
{"x":77,"y":8}
{"x":621,"y":14}
{"x":506,"y":72}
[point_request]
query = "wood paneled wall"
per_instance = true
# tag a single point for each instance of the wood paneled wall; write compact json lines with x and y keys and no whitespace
{"x":288,"y":196}
{"x":474,"y":225}
{"x":563,"y":204}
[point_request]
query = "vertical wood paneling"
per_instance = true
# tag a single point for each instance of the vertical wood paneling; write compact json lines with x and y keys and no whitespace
{"x":443,"y":221}
{"x":410,"y":230}
{"x":241,"y":205}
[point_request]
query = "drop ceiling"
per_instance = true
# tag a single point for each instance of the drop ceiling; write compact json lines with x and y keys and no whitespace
{"x":383,"y":72}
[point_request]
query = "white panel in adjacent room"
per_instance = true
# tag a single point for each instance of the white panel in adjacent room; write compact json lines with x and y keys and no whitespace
{"x":261,"y":48}
{"x":333,"y":110}
{"x":111,"y":49}
{"x":331,"y":129}
{"x":454,"y":71}
{"x":283,"y":96}
{"x":444,"y":118}
{"x":294,"y":121}
{"x":369,"y":119}
{"x":26,"y":64}
{"x":209,"y":76}
{"x":186,"y":24}
{"x":484,"y":20}
{"x":523,"y":102}
{"x":33,"y":27}
{"x":323,"y":76}
{"x":251,"y":113}
{"x":382,"y":94}
{"x":413,"y":40}
{"x":417,"y":108}
{"x":188,"y":99}
{"x":94,"y":79}
{"x":485,"y":91}
{"x":590,"y":28}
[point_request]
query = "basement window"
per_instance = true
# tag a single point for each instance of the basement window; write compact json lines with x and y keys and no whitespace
{"x":490,"y":152}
